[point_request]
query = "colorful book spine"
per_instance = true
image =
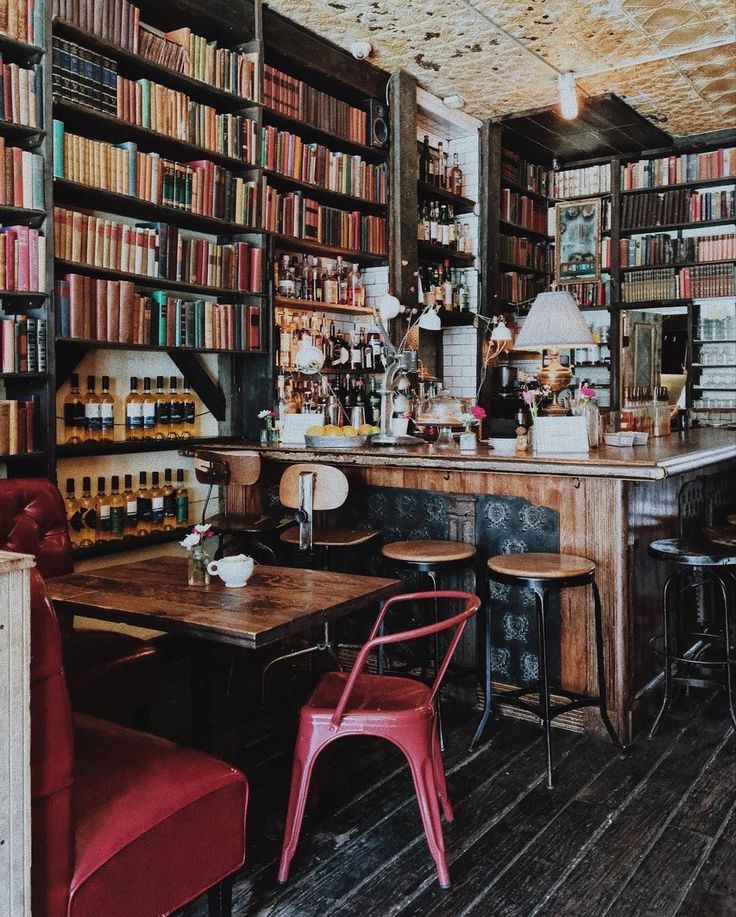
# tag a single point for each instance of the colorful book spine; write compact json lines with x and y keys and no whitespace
{"x":17,"y":425}
{"x":24,"y":20}
{"x":21,"y":178}
{"x":679,"y":170}
{"x":22,"y":259}
{"x":21,"y":94}
{"x":590,"y":180}
{"x":22,"y":344}
{"x":527,"y":175}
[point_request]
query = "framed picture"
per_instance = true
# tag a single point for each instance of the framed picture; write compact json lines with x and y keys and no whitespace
{"x":578,"y":241}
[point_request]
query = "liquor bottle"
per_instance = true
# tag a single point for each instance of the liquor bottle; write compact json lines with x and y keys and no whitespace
{"x":425,"y":162}
{"x":149,"y":410}
{"x":373,"y":407}
{"x":421,"y":223}
{"x":144,"y":509}
{"x":92,"y":417}
{"x":463,"y":298}
{"x":131,"y":508}
{"x":88,"y":515}
{"x":456,"y":177}
{"x":117,"y":510}
{"x":441,"y":166}
{"x":444,"y":230}
{"x":134,"y":412}
{"x":157,"y":504}
{"x":335,"y":346}
{"x":330,"y":292}
{"x":182,"y":499}
{"x":342,"y":282}
{"x":356,"y":352}
{"x":107,"y":412}
{"x":73,"y":515}
{"x":357,"y":293}
{"x":434,"y":223}
{"x":367,"y":352}
{"x":74,"y":426}
{"x":102,"y":508}
{"x":315,"y":288}
{"x":176,"y":409}
{"x":162,"y":429}
{"x":189,"y":426}
{"x":285,"y":282}
{"x":169,"y":494}
{"x":447,"y":290}
{"x":299,"y":278}
{"x":451,"y":228}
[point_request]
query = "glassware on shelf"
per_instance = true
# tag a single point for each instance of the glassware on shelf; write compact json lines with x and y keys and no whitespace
{"x":445,"y":443}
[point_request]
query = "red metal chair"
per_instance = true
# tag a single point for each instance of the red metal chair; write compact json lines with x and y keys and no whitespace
{"x":124,"y":824}
{"x":401,"y":710}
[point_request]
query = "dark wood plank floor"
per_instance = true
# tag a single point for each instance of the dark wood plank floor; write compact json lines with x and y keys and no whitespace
{"x":651,"y":834}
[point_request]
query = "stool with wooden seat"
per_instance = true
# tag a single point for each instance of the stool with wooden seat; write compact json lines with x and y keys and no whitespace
{"x":697,"y":564}
{"x":237,"y":467}
{"x":308,"y":488}
{"x":429,"y":557}
{"x":543,"y":574}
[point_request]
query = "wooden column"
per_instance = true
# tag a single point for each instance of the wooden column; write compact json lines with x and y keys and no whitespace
{"x":15,"y":734}
{"x":489,"y":189}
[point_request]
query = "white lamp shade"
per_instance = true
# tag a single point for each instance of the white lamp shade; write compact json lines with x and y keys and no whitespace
{"x":501,"y":333}
{"x":389,"y":307}
{"x":429,"y":320}
{"x":309,"y":359}
{"x":554,"y":322}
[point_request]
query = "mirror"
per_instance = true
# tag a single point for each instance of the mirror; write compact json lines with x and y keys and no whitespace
{"x":654,"y":349}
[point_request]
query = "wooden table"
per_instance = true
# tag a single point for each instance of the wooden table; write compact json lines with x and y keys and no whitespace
{"x":278,"y":602}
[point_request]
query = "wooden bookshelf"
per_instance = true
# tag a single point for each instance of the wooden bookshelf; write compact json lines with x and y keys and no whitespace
{"x":670,"y":227}
{"x":506,"y":266}
{"x":21,"y":132}
{"x":16,"y":51}
{"x":163,"y":348}
{"x":436,"y":253}
{"x":675,"y":266}
{"x":21,"y":216}
{"x":324,"y":195}
{"x":699,"y":183}
{"x":515,"y":230}
{"x":322,"y":249}
{"x":461,"y":205}
{"x":520,"y":189}
{"x":20,"y":297}
{"x":311,"y":133}
{"x":578,"y":197}
{"x":312,"y":305}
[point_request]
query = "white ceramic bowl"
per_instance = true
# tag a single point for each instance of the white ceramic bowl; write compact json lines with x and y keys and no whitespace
{"x":619,"y":439}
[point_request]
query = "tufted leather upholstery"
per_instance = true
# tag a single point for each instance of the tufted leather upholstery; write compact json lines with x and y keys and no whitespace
{"x":109,"y":674}
{"x":122,"y":821}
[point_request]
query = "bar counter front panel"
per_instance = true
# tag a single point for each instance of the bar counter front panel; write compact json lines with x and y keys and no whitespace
{"x":607,"y":506}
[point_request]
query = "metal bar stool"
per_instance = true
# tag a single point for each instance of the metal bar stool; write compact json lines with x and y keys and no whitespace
{"x":545,"y":573}
{"x":698,"y":564}
{"x":428,"y":557}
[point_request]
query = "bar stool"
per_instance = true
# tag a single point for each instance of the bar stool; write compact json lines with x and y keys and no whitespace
{"x":309,"y":488}
{"x":543,"y":574}
{"x":713,"y":566}
{"x":429,"y":557}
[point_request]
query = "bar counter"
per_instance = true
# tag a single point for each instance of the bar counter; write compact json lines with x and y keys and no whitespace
{"x":607,"y":506}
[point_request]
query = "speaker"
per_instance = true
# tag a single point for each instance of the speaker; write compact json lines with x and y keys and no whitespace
{"x":377,"y":123}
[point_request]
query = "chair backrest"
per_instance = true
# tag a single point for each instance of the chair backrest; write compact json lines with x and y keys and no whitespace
{"x":456,"y":624}
{"x":33,"y":521}
{"x":52,"y":761}
{"x":227,"y":466}
{"x":330,"y":486}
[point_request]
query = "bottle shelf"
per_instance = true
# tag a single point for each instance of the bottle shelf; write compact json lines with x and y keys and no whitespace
{"x":130,"y":447}
{"x":293,"y":243}
{"x":16,"y":51}
{"x":21,"y":216}
{"x":324,"y":195}
{"x":144,"y":282}
{"x":18,"y":457}
{"x":656,"y":267}
{"x":461,"y":205}
{"x":665,"y":227}
{"x":76,"y":194}
{"x":24,"y":377}
{"x":163,"y":348}
{"x":309,"y":132}
{"x":101,"y":548}
{"x":198,"y":90}
{"x":428,"y":251}
{"x":107,"y":127}
{"x":517,"y":230}
{"x":454,"y":318}
{"x":700,"y":183}
{"x":520,"y":189}
{"x":521,"y":268}
{"x":290,"y":302}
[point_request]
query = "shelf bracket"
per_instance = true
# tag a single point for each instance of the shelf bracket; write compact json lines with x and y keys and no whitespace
{"x":68,"y":358}
{"x":209,"y":391}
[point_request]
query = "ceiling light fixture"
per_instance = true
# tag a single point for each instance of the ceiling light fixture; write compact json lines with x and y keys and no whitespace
{"x":568,"y":96}
{"x":454,"y":101}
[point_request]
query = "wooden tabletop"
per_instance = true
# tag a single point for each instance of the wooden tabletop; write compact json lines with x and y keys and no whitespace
{"x":277,"y":602}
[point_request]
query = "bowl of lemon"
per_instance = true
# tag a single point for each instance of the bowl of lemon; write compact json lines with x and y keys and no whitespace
{"x":333,"y":437}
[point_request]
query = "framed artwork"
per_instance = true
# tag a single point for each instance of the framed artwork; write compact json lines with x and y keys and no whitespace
{"x":578,"y":241}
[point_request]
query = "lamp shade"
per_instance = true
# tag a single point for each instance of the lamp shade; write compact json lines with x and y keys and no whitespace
{"x":429,"y":320}
{"x":554,"y":322}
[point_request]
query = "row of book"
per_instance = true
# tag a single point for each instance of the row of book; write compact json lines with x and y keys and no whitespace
{"x":708,"y":280}
{"x":89,"y":308}
{"x":22,"y":259}
{"x":516,"y":288}
{"x":118,"y":22}
{"x":17,"y":425}
{"x":295,"y":215}
{"x":21,"y":94}
{"x":155,"y":250}
{"x":289,"y":155}
{"x":528,"y":175}
{"x":591,"y":293}
{"x":198,"y":187}
{"x":524,"y":252}
{"x":523,"y":211}
{"x":295,"y":99}
{"x":21,"y":177}
{"x":22,"y":344}
{"x":680,"y":206}
{"x":24,"y":20}
{"x":83,"y":77}
{"x":665,"y":249}
{"x":679,"y":170}
{"x":579,"y":182}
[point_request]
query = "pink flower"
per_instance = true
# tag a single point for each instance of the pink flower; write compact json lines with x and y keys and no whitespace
{"x":528,"y":397}
{"x":478,"y":412}
{"x":587,"y":392}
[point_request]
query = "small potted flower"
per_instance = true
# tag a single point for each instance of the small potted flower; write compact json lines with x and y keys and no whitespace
{"x":268,"y":429}
{"x":197,"y":574}
{"x":471,"y":418}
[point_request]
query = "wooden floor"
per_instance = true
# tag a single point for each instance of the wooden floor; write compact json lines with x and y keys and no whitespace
{"x":651,"y":834}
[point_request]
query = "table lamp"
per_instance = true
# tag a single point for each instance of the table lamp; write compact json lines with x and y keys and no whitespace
{"x":554,"y":322}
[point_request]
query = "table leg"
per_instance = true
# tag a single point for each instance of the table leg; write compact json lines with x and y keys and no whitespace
{"x":200,"y":660}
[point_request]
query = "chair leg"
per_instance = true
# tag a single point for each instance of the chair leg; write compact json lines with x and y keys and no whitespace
{"x":544,"y":681}
{"x":667,"y":654}
{"x":439,"y":776}
{"x":220,"y":899}
{"x":600,"y":665}
{"x":484,"y":649}
{"x":730,"y":656}
{"x":301,"y":776}
{"x":422,"y":771}
{"x":433,"y":579}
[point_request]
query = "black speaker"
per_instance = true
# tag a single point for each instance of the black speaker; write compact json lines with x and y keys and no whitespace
{"x":377,"y":123}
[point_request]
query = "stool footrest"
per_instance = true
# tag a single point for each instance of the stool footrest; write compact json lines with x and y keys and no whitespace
{"x":575,"y":701}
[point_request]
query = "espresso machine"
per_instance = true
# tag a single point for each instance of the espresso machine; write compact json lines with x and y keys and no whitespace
{"x":507,"y":405}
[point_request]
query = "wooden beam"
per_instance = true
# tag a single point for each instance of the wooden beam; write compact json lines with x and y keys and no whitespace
{"x":489,"y":199}
{"x":209,"y":391}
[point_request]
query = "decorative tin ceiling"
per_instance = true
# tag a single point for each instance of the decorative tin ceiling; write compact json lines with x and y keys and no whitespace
{"x":459,"y":46}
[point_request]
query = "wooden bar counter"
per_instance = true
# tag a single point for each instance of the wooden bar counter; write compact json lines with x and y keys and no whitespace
{"x":607,"y":506}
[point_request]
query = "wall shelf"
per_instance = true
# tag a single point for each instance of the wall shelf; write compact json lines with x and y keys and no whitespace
{"x":702,"y":183}
{"x":333,"y":141}
{"x":656,"y":267}
{"x":516,"y":230}
{"x":163,"y":348}
{"x":102,"y":548}
{"x":292,"y":243}
{"x":289,"y":302}
{"x":16,"y":51}
{"x":460,"y":204}
{"x":125,"y":447}
{"x":432,"y":252}
{"x":21,"y":216}
{"x":324,"y":195}
{"x":520,"y":189}
{"x":670,"y":227}
{"x":521,"y":268}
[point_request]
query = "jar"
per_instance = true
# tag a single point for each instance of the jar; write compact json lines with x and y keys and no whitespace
{"x":197,"y":574}
{"x":589,"y":410}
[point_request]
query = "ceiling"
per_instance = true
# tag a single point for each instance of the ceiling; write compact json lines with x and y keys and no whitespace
{"x":480,"y":50}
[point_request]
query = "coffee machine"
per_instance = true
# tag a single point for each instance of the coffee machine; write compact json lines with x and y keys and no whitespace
{"x":507,"y":405}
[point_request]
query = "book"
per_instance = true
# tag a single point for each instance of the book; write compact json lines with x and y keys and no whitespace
{"x":677,"y":170}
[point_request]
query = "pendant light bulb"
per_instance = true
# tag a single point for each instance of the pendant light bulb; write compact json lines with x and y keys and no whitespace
{"x":568,"y":96}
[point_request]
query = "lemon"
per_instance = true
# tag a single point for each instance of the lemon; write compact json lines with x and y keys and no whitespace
{"x":349,"y":431}
{"x":316,"y":431}
{"x":332,"y":430}
{"x":364,"y":429}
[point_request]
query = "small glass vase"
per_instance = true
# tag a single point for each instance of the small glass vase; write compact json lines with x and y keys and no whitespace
{"x":589,"y":410}
{"x":197,"y":574}
{"x":445,"y":443}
